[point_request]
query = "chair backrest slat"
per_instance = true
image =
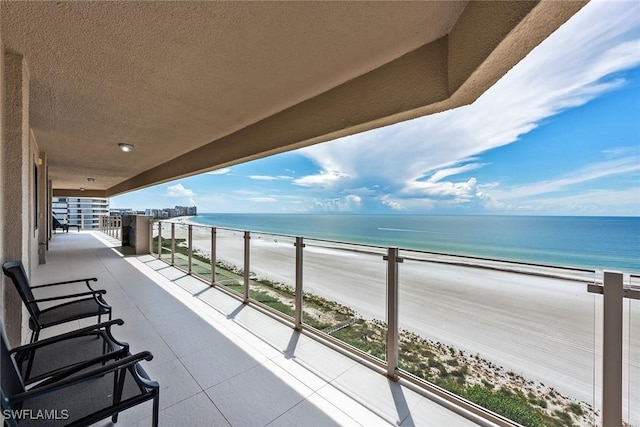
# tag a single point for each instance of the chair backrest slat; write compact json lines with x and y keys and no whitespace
{"x":15,"y":271}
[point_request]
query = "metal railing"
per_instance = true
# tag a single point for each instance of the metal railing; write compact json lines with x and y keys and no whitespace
{"x":111,"y":226}
{"x":232,"y":272}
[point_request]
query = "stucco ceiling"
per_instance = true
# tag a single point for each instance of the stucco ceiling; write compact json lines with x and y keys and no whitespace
{"x":196,"y":86}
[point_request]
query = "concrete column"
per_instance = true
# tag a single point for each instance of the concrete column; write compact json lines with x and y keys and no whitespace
{"x":16,"y":168}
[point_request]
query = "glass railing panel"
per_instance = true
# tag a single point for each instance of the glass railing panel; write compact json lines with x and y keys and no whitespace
{"x":181,"y":245}
{"x":201,"y":258}
{"x":272,"y":271}
{"x":631,"y":370}
{"x":517,"y":340}
{"x":165,"y":242}
{"x":345,"y":293}
{"x":230,"y":259}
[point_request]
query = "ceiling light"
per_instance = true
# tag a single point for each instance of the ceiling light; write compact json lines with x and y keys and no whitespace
{"x":91,"y":179}
{"x":125,"y":147}
{"x":82,"y":188}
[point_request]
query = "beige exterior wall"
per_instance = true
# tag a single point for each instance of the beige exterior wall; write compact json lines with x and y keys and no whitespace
{"x":2,"y":258}
{"x":19,"y":152}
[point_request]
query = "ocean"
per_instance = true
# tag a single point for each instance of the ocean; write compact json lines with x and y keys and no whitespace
{"x":584,"y":242}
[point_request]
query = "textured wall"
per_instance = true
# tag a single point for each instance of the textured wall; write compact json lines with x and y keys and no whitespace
{"x":15,"y":183}
{"x":2,"y":258}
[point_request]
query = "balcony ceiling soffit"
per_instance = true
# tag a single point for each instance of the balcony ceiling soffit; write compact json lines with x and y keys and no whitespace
{"x":196,"y":86}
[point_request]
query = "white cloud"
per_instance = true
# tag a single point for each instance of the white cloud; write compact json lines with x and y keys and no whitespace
{"x":326,"y":178}
{"x":443,"y":173}
{"x":222,"y":171}
{"x":270,"y":178}
{"x":393,"y":204}
{"x":263,"y":199}
{"x":589,"y":202}
{"x":587,"y":173}
{"x":460,"y":191}
{"x":337,"y":204}
{"x":353,"y":199}
{"x":570,"y":68}
{"x":263,"y":177}
{"x":178,"y":191}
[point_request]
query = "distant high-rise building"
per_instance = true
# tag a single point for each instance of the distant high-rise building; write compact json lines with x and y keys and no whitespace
{"x":84,"y":212}
{"x":172,"y":212}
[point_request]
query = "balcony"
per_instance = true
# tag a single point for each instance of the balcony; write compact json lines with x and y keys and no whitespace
{"x":221,"y":362}
{"x":64,"y":121}
{"x":537,"y":344}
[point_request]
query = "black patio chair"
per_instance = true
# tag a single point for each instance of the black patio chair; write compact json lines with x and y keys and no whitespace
{"x":78,"y":395}
{"x":55,"y":223}
{"x":45,"y":358}
{"x":82,"y":304}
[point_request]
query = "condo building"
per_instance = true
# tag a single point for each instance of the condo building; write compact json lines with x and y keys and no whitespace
{"x":82,"y":212}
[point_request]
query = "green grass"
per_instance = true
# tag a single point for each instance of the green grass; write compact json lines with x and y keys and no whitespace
{"x":367,"y":339}
{"x":506,"y":403}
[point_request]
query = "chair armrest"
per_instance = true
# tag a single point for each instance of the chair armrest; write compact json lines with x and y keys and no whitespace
{"x":69,"y":296}
{"x":91,"y":279}
{"x":93,"y":373}
{"x":72,"y":334}
{"x":70,"y":370}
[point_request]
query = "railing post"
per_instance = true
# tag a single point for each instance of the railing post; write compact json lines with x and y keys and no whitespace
{"x":299,"y":291}
{"x":392,"y":312}
{"x":150,"y":236}
{"x":190,"y":247}
{"x":247,"y":266}
{"x":213,"y":256}
{"x":173,"y":242}
{"x":613,"y":293}
{"x":159,"y":239}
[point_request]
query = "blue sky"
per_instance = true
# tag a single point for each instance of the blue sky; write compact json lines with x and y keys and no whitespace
{"x":559,"y":134}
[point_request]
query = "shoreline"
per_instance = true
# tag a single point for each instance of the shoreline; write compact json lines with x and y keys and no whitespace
{"x":589,"y":276}
{"x":570,"y":242}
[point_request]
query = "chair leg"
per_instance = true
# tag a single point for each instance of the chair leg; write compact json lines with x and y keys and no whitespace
{"x":27,"y":373}
{"x":118,"y":386}
{"x":34,"y":335}
{"x":156,"y":409}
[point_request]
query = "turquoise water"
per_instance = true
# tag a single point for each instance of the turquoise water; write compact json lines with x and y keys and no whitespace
{"x":587,"y":242}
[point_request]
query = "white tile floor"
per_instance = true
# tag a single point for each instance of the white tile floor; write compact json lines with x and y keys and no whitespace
{"x":220,"y":362}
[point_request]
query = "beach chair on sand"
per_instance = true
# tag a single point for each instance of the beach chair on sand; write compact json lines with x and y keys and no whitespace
{"x":78,"y":305}
{"x":78,"y":391}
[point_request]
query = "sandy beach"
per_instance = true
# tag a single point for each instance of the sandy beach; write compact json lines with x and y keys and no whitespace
{"x":543,"y":327}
